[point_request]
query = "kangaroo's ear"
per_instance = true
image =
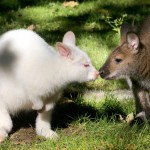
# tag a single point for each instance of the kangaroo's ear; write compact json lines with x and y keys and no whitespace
{"x":69,"y":38}
{"x":125,"y":28}
{"x":133,"y":41}
{"x":63,"y":49}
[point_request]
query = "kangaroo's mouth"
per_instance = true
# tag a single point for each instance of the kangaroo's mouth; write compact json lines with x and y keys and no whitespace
{"x":104,"y":74}
{"x":114,"y":77}
{"x":109,"y":78}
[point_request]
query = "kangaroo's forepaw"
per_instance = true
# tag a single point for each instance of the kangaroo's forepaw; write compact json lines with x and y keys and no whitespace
{"x":38,"y":106}
{"x":142,"y":116}
{"x":3,"y":136}
{"x":139,"y":119}
{"x":49,"y":134}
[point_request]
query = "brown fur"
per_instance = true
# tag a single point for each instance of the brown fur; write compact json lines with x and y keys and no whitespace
{"x":131,"y":60}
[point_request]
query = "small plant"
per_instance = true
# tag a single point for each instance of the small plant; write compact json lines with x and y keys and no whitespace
{"x":115,"y":24}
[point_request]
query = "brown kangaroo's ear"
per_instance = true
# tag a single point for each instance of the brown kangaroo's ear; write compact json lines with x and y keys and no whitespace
{"x":125,"y":28}
{"x":133,"y":41}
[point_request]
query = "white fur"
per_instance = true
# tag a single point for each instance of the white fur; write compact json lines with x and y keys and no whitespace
{"x":38,"y":76}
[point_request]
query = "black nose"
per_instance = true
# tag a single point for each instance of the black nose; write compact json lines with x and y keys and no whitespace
{"x":102,"y":73}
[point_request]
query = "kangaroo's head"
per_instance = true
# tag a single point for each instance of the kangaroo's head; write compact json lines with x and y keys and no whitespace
{"x":79,"y":67}
{"x":123,"y":61}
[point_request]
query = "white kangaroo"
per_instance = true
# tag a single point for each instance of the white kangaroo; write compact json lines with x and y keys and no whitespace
{"x":33,"y":75}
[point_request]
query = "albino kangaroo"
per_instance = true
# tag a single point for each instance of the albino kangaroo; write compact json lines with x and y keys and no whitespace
{"x":33,"y":75}
{"x":131,"y":60}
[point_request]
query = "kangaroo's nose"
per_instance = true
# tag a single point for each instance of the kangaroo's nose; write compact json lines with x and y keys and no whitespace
{"x":97,"y":73}
{"x":102,"y":73}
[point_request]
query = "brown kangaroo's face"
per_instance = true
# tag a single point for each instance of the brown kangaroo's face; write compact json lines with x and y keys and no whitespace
{"x":122,"y":61}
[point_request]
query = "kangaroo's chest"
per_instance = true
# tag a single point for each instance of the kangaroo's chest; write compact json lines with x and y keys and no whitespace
{"x":145,"y":84}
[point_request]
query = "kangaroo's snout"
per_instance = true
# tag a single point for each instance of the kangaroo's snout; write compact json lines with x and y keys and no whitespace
{"x":96,"y":74}
{"x":102,"y":73}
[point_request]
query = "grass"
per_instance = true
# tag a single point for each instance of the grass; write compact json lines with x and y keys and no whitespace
{"x":82,"y":124}
{"x":92,"y":126}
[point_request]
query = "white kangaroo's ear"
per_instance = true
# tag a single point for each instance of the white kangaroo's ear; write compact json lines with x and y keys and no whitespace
{"x":69,"y":38}
{"x":133,"y":41}
{"x":63,"y":49}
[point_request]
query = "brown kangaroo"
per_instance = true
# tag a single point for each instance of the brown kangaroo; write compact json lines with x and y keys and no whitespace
{"x":131,"y":60}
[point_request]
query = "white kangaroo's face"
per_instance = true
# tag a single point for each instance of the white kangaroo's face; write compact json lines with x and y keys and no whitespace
{"x":80,"y":65}
{"x":84,"y":68}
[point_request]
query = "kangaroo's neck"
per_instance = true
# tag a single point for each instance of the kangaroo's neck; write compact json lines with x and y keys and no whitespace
{"x":143,"y":65}
{"x":59,"y":71}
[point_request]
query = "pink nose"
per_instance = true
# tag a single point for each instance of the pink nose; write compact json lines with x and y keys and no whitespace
{"x":96,"y":74}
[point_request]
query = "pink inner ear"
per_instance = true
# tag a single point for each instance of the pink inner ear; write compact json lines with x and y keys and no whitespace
{"x":63,"y":50}
{"x":134,"y":44}
{"x":133,"y":40}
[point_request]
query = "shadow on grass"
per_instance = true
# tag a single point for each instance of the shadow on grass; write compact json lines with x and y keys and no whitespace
{"x":68,"y":111}
{"x":6,"y":5}
{"x":136,"y":12}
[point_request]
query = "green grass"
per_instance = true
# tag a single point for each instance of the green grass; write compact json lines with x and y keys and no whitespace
{"x":93,"y":126}
{"x":82,"y":124}
{"x":99,"y":135}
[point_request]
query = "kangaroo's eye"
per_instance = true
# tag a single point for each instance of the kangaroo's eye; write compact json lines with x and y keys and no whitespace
{"x":118,"y":60}
{"x":86,"y":65}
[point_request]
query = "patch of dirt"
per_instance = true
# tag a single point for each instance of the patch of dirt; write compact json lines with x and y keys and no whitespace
{"x":23,"y":136}
{"x":23,"y":132}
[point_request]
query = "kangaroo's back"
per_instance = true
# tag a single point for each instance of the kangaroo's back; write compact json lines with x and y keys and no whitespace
{"x":145,"y":32}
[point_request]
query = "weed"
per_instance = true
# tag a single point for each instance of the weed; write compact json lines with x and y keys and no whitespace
{"x":116,"y":24}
